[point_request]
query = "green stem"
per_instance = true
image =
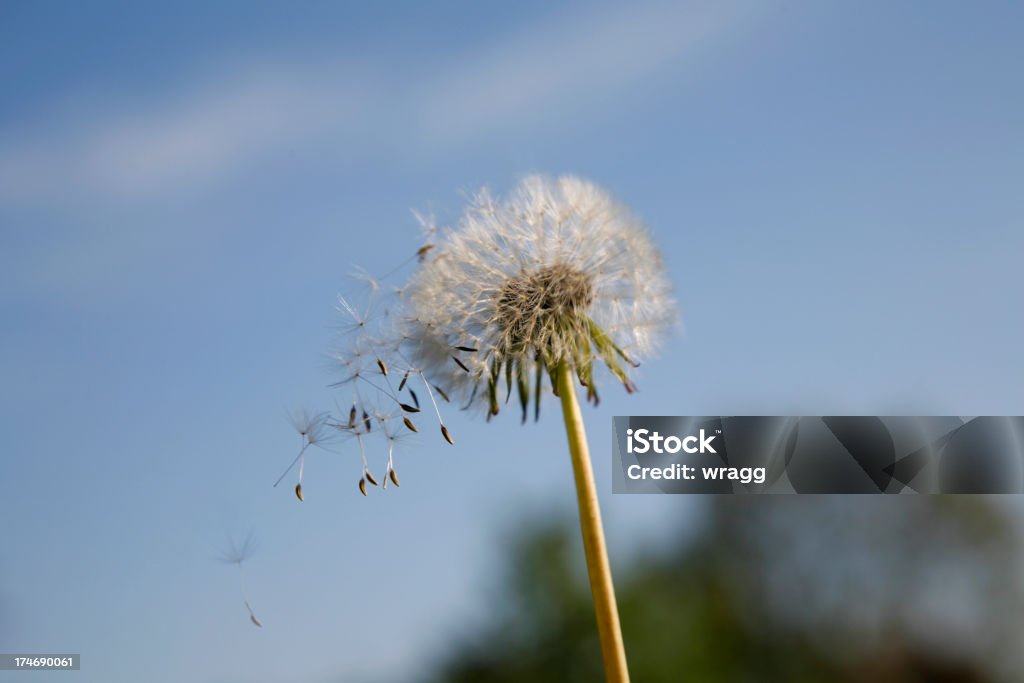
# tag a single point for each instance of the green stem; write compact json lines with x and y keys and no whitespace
{"x":610,"y":633}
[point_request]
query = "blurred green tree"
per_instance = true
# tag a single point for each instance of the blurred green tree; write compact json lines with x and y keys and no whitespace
{"x":795,"y":589}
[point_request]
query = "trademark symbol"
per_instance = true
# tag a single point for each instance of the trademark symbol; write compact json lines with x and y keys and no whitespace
{"x":718,"y":431}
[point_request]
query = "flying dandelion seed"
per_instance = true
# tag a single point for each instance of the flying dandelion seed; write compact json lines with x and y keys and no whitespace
{"x":237,"y":554}
{"x":252,"y":616}
{"x":313,"y":430}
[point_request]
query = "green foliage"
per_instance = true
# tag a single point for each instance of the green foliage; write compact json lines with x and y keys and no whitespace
{"x":766,"y":592}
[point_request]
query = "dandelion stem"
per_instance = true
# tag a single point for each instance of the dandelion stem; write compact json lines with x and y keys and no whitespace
{"x":610,"y":633}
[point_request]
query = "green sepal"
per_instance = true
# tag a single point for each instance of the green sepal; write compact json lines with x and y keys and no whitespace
{"x":523,"y":385}
{"x":492,"y":386}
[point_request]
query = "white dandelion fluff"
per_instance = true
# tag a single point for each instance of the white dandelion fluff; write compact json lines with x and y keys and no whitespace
{"x":557,"y":272}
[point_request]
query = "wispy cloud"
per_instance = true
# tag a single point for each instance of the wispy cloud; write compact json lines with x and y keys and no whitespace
{"x":145,"y":149}
{"x":203,"y":134}
{"x":570,"y":60}
{"x":102,"y":181}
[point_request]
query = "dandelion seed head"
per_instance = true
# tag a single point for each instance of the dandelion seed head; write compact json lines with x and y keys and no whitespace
{"x":556,"y":272}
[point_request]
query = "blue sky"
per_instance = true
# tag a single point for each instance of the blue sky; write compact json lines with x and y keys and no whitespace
{"x":184,"y":188}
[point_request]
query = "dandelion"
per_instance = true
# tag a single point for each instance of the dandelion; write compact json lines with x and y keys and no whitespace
{"x":555,"y":284}
{"x":542,"y":286}
{"x":237,"y":554}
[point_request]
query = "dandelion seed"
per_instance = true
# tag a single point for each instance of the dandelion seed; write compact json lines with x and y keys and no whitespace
{"x":442,"y":394}
{"x":405,"y":378}
{"x":298,"y":492}
{"x":356,"y":320}
{"x":313,"y":429}
{"x":389,"y":466}
{"x":408,"y":408}
{"x":367,"y":475}
{"x":237,"y":554}
{"x":383,"y":368}
{"x":409,"y":424}
{"x":437,"y":411}
{"x":415,"y":399}
{"x":460,"y":364}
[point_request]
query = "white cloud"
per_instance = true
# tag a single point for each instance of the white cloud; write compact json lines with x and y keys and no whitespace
{"x":204,"y":134}
{"x":197,"y":138}
{"x":105,"y":177}
{"x":208,"y":137}
{"x":569,"y":59}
